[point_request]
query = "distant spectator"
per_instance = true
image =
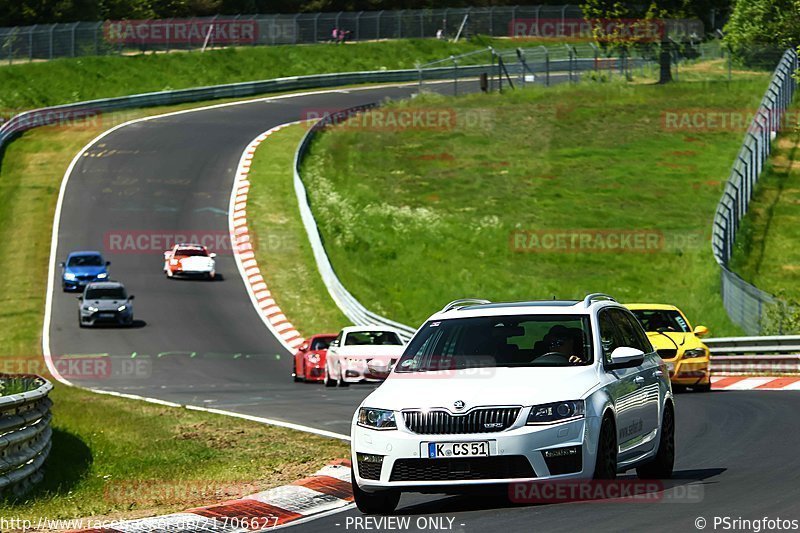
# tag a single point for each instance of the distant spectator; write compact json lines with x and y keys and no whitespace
{"x":440,"y":34}
{"x":335,"y":35}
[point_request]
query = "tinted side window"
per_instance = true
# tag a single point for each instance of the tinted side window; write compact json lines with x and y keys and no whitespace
{"x":631,"y":331}
{"x":609,"y":337}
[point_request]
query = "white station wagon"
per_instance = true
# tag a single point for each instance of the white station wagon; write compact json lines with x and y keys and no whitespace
{"x":499,"y":393}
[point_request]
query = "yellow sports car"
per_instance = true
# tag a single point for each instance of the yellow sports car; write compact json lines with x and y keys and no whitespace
{"x":677,"y":343}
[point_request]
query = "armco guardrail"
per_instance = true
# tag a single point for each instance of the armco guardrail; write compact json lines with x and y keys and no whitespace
{"x":351,"y":307}
{"x":745,"y":303}
{"x":24,"y":435}
{"x":774,"y":355}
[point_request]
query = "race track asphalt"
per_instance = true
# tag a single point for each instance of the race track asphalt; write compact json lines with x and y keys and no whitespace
{"x":202,"y":343}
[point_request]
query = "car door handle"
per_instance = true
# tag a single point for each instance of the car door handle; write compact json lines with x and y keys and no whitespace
{"x":638,"y":380}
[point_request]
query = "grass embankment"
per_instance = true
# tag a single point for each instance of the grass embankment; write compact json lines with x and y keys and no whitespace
{"x":283,"y":251}
{"x":766,"y":251}
{"x":63,"y":81}
{"x":112,"y":457}
{"x":414,"y":218}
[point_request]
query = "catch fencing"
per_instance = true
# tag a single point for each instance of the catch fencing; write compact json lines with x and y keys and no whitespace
{"x":25,"y":433}
{"x":747,"y":305}
{"x":77,"y":39}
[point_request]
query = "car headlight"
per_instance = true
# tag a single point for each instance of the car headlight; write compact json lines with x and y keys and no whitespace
{"x":92,"y":309}
{"x":697,"y":352}
{"x":102,"y":275}
{"x":376,"y":418}
{"x":552,"y":413}
{"x":121,"y":308}
{"x":69,"y":276}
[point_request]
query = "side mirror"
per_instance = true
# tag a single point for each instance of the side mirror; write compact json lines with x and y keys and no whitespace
{"x":625,"y":356}
{"x":212,"y":255}
{"x":303,"y":347}
{"x":131,"y":297}
{"x":108,"y":263}
{"x":61,"y":264}
{"x":700,"y":331}
{"x":78,"y":297}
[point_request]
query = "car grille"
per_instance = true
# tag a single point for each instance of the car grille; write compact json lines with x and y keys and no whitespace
{"x":501,"y":467}
{"x":439,"y":422}
{"x":369,"y":470}
{"x":667,"y":353}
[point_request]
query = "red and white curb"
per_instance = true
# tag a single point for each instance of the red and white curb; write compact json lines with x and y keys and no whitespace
{"x":326,"y":491}
{"x":244,"y":253}
{"x":754,"y":383}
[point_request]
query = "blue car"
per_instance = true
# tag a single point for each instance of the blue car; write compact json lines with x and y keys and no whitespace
{"x":82,"y":268}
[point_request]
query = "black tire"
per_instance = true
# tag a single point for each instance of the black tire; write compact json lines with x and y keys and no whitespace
{"x":702,"y":388}
{"x":328,"y":381}
{"x":383,"y":502}
{"x":661,"y":465}
{"x":605,"y":466}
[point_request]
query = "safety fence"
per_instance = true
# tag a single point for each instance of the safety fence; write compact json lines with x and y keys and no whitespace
{"x":746,"y":304}
{"x":25,"y":433}
{"x":762,"y":355}
{"x":76,"y":39}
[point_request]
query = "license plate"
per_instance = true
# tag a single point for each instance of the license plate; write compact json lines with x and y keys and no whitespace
{"x":106,"y":315}
{"x":437,"y":450}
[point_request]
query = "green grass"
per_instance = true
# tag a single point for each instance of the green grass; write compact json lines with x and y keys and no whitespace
{"x":766,"y":252}
{"x":283,"y":251}
{"x":103,"y":463}
{"x":62,"y":81}
{"x":416,"y":218}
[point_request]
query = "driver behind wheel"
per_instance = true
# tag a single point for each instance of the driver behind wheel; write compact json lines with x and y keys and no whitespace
{"x":567,"y":342}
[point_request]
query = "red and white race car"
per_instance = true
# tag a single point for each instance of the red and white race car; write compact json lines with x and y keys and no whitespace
{"x":188,"y":259}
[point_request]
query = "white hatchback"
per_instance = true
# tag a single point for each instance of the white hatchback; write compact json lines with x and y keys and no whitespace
{"x":499,"y":393}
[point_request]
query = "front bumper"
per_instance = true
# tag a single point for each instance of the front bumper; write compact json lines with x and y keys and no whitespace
{"x":107,"y":317}
{"x":695,"y":371}
{"x":80,"y":283}
{"x":356,"y":371}
{"x":511,"y":451}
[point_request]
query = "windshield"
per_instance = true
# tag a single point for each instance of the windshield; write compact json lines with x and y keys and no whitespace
{"x":662,"y":320}
{"x":109,"y":293}
{"x":321,"y":343}
{"x":372,"y":338}
{"x":189,"y":252}
{"x":504,"y":341}
{"x":85,"y":261}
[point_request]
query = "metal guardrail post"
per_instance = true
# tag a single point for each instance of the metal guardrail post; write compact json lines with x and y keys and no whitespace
{"x":52,"y":29}
{"x":378,"y":24}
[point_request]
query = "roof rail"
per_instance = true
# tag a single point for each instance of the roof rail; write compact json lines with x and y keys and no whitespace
{"x":462,"y":302}
{"x":596,"y":296}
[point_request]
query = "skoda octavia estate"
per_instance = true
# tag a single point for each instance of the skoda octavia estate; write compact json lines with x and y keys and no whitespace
{"x":499,"y":393}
